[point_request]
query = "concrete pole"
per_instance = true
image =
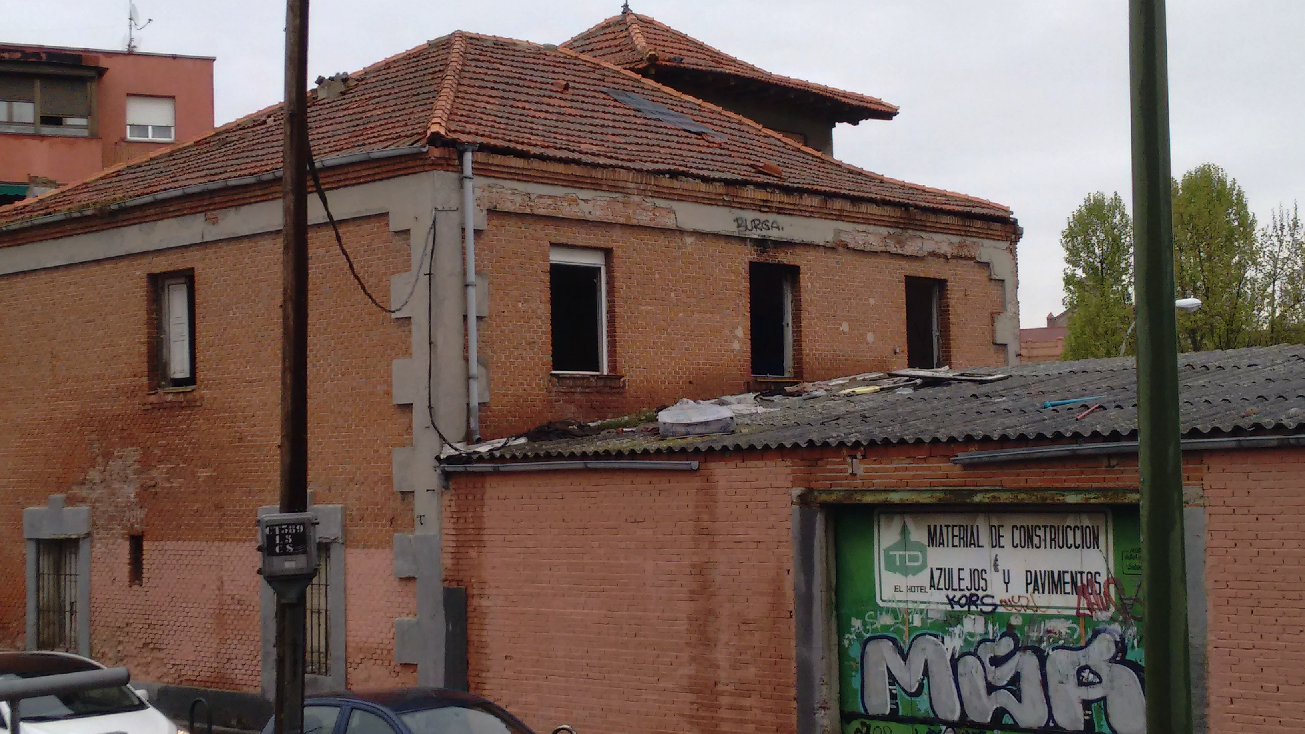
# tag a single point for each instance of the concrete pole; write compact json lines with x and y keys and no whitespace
{"x":1164,"y":578}
{"x":290,"y":610}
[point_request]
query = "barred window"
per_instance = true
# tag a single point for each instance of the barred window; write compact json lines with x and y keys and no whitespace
{"x":56,"y":594}
{"x":318,"y":653}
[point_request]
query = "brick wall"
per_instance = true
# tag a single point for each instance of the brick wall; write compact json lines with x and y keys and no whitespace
{"x":630,"y":601}
{"x":679,"y":319}
{"x":1255,"y":573}
{"x":189,"y":470}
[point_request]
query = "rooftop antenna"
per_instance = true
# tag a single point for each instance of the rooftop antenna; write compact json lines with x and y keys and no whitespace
{"x":133,"y":25}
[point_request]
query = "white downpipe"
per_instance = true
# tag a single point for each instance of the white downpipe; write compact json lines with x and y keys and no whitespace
{"x":469,"y":268}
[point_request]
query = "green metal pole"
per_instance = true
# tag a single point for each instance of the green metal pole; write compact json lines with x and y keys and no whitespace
{"x":1164,"y":578}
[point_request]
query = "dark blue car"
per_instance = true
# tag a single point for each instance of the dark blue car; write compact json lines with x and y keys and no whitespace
{"x":406,"y":711}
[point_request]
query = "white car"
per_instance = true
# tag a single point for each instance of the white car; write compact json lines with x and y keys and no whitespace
{"x":113,"y":710}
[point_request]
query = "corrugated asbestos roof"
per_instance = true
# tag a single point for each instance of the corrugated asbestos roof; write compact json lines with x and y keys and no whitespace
{"x":1260,"y":389}
{"x":638,"y":42}
{"x":510,"y":97}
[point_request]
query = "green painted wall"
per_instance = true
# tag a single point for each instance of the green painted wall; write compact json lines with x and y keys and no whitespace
{"x":992,"y":621}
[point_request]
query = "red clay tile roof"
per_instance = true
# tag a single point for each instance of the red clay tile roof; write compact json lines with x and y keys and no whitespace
{"x":514,"y":98}
{"x":638,"y":42}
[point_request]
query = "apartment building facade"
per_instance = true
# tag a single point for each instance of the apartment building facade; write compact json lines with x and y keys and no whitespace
{"x":66,"y":113}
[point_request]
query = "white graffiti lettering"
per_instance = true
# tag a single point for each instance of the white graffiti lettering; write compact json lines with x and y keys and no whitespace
{"x":1047,"y":690}
{"x":1076,"y":676}
{"x":986,"y":676}
{"x":882,"y":659}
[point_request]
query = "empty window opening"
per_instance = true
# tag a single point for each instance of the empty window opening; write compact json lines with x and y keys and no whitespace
{"x":578,"y":297}
{"x":135,"y":559}
{"x":175,"y":330}
{"x":151,"y":119}
{"x":925,"y":323}
{"x":317,"y":660}
{"x":771,"y":295}
{"x":56,"y":594}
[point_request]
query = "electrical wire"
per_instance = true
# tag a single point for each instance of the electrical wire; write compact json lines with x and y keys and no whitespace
{"x":339,"y":242}
{"x":428,"y":245}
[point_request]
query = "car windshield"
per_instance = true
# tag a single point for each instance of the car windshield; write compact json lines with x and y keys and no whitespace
{"x":459,"y":720}
{"x":96,"y":702}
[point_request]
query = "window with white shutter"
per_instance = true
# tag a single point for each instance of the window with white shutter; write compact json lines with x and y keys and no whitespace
{"x":151,"y":119}
{"x":176,"y":330}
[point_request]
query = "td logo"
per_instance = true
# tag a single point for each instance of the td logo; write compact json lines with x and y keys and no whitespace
{"x":906,"y":557}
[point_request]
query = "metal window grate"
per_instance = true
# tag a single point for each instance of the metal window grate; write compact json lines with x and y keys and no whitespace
{"x":56,"y":595}
{"x":318,"y":650}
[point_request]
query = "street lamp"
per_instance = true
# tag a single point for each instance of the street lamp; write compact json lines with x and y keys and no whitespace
{"x":1182,"y":304}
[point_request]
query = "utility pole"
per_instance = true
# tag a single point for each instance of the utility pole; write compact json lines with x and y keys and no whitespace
{"x":1160,"y":461}
{"x":290,"y":607}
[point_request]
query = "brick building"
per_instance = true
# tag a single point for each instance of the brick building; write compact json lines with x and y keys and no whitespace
{"x":746,"y":581}
{"x":634,"y":245}
{"x":66,"y":113}
{"x":1045,"y":343}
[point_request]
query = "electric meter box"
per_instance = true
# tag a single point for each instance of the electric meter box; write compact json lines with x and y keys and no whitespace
{"x":288,"y":541}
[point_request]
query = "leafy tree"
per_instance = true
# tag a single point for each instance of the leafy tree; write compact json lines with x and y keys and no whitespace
{"x":1280,"y":277}
{"x":1098,"y":278}
{"x":1215,"y":260}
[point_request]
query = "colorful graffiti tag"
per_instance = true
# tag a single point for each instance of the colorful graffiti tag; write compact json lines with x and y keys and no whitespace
{"x":1014,"y":621}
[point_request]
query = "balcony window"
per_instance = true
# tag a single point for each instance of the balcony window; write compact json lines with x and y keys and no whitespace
{"x":46,"y":105}
{"x":151,"y":119}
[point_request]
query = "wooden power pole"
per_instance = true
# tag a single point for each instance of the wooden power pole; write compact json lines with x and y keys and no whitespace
{"x":1160,"y":460}
{"x":290,"y":612}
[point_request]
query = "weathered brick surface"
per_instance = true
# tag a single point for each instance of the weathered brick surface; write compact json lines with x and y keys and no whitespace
{"x":81,"y":417}
{"x":375,"y":599}
{"x":193,"y":620}
{"x":1255,"y":571}
{"x":678,"y":314}
{"x":630,"y":601}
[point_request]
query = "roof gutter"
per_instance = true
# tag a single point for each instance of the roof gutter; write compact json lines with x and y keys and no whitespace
{"x":1115,"y":448}
{"x":601,"y":465}
{"x":339,"y":160}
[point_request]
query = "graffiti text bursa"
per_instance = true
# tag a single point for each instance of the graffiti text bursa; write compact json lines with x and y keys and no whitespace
{"x":1038,"y":689}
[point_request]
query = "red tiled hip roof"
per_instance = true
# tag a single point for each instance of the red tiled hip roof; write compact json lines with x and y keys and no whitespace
{"x":513,"y":98}
{"x":638,"y":42}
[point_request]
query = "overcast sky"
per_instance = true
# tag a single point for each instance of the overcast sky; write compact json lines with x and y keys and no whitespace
{"x":1024,"y":102}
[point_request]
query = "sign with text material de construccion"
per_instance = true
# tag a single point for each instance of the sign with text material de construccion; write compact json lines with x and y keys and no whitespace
{"x":975,"y":560}
{"x":1001,"y":621}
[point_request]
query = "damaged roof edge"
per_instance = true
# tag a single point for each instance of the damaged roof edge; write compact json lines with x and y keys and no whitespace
{"x":1114,"y":445}
{"x":1006,"y":219}
{"x":1233,"y":399}
{"x":165,"y":195}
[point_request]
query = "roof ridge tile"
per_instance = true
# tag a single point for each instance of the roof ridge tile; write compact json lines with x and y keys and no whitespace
{"x":636,"y":35}
{"x":446,"y":98}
